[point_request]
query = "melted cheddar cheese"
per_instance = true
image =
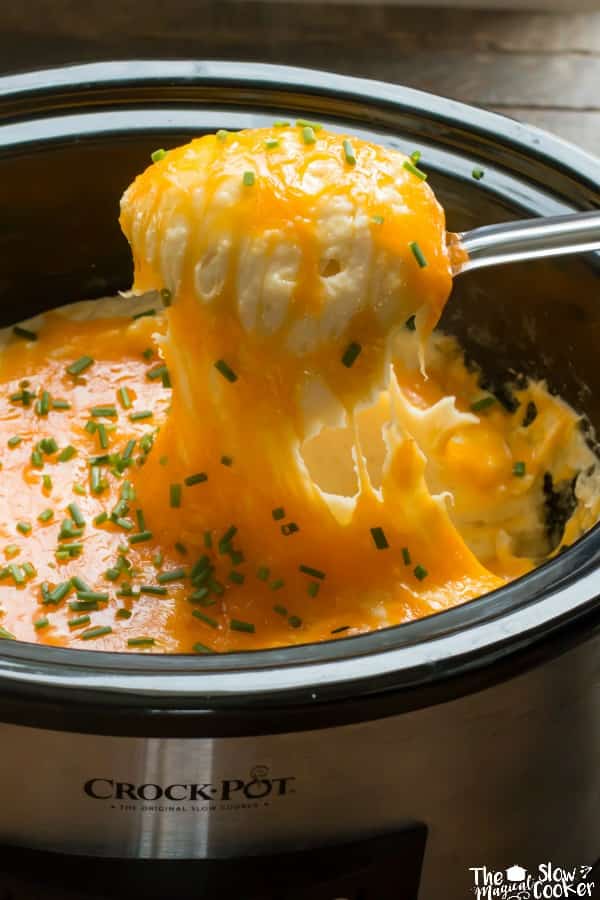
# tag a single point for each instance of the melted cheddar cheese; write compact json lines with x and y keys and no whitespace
{"x":285,"y":452}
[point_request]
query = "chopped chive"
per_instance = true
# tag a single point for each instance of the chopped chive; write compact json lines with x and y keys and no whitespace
{"x":226,"y":539}
{"x":79,"y":584}
{"x":271,"y":143}
{"x":263,"y":573}
{"x":351,"y":354}
{"x":226,"y":460}
{"x":519,"y":469}
{"x":29,"y":569}
{"x":141,"y":521}
{"x":156,"y":373}
{"x":37,"y":460}
{"x":313,"y":588}
{"x":181,"y":548}
{"x":239,"y":625}
{"x":11,"y":551}
{"x":76,"y":514}
{"x":415,"y":156}
{"x":248,"y":179}
{"x":91,"y":427}
{"x":93,"y":596}
{"x":101,"y":518}
{"x":198,"y":478}
{"x":99,"y":631}
{"x":418,"y":254}
{"x":106,"y":411}
{"x":277,"y":584}
{"x":41,"y":623}
{"x":204,"y":618}
{"x":379,"y":538}
{"x":140,"y":538}
{"x":48,"y":446}
{"x":237,"y":557}
{"x":141,"y":642}
{"x":221,"y":134}
{"x":216,"y":587}
{"x":80,"y":365}
{"x":6,"y":635}
{"x":379,"y":220}
{"x":406,"y":558}
{"x":148,"y":353}
{"x":207,"y":540}
{"x":82,"y":605}
{"x":281,"y":123}
{"x":530,"y":416}
{"x":14,"y":441}
{"x":172,"y":575}
{"x":308,"y":135}
{"x":46,"y":515}
{"x":25,"y":333}
{"x":96,"y":479}
{"x":420,"y":572}
{"x":340,"y":629}
{"x":294,"y":621}
{"x":236,"y":577}
{"x":349,"y":153}
{"x":200,"y":596}
{"x":68,"y":453}
{"x":410,"y":323}
{"x":157,"y":155}
{"x":410,"y":167}
{"x":278,"y":513}
{"x":175,"y":495}
{"x":44,"y":404}
{"x":483,"y":403}
{"x":79,"y":620}
{"x":280,"y":610}
{"x":304,"y":123}
{"x":59,"y":592}
{"x":129,"y":448}
{"x":289,"y":528}
{"x":202,"y":649}
{"x":225,"y":370}
{"x":477,"y":174}
{"x":123,"y":613}
{"x":24,"y":527}
{"x":153,"y":589}
{"x":314,"y":573}
{"x":61,"y":404}
{"x":157,"y":559}
{"x":17,"y":572}
{"x":79,"y":489}
{"x":112,"y":574}
{"x":46,"y":482}
{"x":141,"y":414}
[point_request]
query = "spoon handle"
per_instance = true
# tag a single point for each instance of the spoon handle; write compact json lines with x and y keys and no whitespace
{"x":493,"y":245}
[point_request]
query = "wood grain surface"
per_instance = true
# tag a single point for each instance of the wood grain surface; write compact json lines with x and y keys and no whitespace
{"x":539,"y":67}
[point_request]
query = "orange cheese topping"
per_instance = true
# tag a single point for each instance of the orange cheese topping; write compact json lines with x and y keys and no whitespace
{"x":291,"y":260}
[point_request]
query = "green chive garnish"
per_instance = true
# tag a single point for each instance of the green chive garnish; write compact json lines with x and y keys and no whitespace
{"x":277,"y":584}
{"x":349,"y":153}
{"x":93,"y":596}
{"x":294,"y":621}
{"x":519,"y":469}
{"x":225,"y":370}
{"x":157,"y":155}
{"x":25,"y":333}
{"x":313,"y":588}
{"x":207,"y":540}
{"x":410,"y":167}
{"x":141,"y":642}
{"x":101,"y":518}
{"x":204,"y":618}
{"x":351,"y":354}
{"x":202,"y":649}
{"x":379,"y":538}
{"x":6,"y":635}
{"x":156,"y":373}
{"x":221,"y":134}
{"x":79,"y":584}
{"x":226,"y":460}
{"x":142,"y":414}
{"x":418,"y":254}
{"x":420,"y":572}
{"x":263,"y":573}
{"x":37,"y":460}
{"x":46,"y":515}
{"x":148,"y":353}
{"x":314,"y":573}
{"x":14,"y":441}
{"x":80,"y":365}
{"x":11,"y":551}
{"x":248,"y":179}
{"x":304,"y":123}
{"x":123,"y":613}
{"x":281,"y":123}
{"x":59,"y":592}
{"x":99,"y":631}
{"x":477,"y":174}
{"x":406,"y":558}
{"x":415,"y":156}
{"x":198,"y":478}
{"x":238,"y":625}
{"x":79,"y":620}
{"x":68,"y":453}
{"x":81,"y":605}
{"x":289,"y":528}
{"x":236,"y":577}
{"x":175,"y":495}
{"x":227,"y":538}
{"x":46,"y":482}
{"x":41,"y":623}
{"x":379,"y":220}
{"x":280,"y":610}
{"x":308,"y":135}
{"x":140,"y":538}
{"x":76,"y":514}
{"x":271,"y":143}
{"x":24,"y":527}
{"x":44,"y":404}
{"x":61,"y":404}
{"x":106,"y":411}
{"x":278,"y":513}
{"x":483,"y":403}
{"x":172,"y":575}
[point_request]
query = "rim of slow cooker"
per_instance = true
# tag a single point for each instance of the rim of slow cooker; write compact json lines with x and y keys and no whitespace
{"x":518,"y":622}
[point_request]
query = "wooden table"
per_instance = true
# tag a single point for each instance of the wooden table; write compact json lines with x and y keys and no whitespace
{"x":542,"y":68}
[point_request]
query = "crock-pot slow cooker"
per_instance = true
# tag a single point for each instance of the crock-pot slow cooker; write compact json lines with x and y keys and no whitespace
{"x":380,"y":766}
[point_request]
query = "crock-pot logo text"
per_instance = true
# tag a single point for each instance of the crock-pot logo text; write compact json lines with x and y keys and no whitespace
{"x":257,"y":787}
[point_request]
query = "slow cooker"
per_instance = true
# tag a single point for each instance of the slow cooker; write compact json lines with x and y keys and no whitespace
{"x":375,"y":767}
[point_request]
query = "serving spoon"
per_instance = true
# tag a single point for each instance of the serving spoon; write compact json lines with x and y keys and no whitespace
{"x":493,"y":245}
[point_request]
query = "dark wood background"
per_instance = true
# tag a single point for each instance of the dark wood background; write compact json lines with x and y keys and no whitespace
{"x":542,"y":68}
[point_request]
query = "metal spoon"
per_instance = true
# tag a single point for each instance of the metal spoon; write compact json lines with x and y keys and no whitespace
{"x":493,"y":245}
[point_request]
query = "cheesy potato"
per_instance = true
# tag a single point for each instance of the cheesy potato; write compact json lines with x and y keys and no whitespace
{"x":266,"y":442}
